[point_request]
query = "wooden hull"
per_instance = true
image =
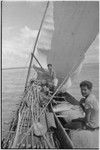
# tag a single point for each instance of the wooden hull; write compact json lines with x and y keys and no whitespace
{"x":62,"y":135}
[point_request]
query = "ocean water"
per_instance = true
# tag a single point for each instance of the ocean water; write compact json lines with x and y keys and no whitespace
{"x":13,"y":82}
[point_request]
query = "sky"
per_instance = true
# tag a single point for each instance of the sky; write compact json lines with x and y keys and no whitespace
{"x":20,"y":24}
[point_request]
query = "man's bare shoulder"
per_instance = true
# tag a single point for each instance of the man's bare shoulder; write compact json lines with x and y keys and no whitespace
{"x":91,"y":97}
{"x":91,"y":100}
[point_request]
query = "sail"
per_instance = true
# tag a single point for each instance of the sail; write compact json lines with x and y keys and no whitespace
{"x":76,"y":25}
{"x":73,"y":76}
{"x":45,"y":37}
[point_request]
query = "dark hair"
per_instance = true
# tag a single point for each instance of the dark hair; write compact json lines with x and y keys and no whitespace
{"x":49,"y":65}
{"x":86,"y":83}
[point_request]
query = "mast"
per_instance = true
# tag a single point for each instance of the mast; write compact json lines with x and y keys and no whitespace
{"x":32,"y":54}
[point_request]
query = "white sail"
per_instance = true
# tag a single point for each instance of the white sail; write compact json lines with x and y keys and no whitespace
{"x":45,"y":38}
{"x":71,"y":28}
{"x":74,"y":76}
{"x":47,"y":30}
{"x":76,"y":26}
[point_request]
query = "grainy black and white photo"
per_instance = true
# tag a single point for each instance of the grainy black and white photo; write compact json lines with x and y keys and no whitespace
{"x":50,"y":74}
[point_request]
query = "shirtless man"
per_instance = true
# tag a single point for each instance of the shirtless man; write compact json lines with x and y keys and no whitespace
{"x":89,"y":104}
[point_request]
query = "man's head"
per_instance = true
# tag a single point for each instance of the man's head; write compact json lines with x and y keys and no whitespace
{"x":43,"y":82}
{"x":49,"y":66}
{"x":86,"y":88}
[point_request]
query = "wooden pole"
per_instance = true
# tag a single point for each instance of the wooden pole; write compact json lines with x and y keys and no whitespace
{"x":36,"y":44}
{"x":39,"y":63}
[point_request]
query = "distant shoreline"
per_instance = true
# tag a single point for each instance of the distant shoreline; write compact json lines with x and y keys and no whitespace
{"x":14,"y":68}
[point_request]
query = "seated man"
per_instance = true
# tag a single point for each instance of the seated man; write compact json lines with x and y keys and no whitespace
{"x":89,"y":105}
{"x":49,"y":77}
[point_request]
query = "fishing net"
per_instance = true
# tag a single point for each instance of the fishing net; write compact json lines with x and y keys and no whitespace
{"x":27,"y":116}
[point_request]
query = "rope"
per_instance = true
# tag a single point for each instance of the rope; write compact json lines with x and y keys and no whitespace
{"x":22,"y":118}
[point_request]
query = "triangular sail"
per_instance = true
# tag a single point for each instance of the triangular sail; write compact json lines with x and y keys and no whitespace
{"x":73,"y":76}
{"x":75,"y":28}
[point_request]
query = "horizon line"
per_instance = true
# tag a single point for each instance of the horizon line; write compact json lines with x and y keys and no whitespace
{"x":27,"y":66}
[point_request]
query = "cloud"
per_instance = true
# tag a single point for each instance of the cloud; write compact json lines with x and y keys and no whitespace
{"x":17,"y":44}
{"x":27,"y":33}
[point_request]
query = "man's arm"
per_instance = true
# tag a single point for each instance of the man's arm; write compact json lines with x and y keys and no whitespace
{"x":88,"y":115}
{"x":82,"y":103}
{"x":54,"y":74}
{"x":38,"y":69}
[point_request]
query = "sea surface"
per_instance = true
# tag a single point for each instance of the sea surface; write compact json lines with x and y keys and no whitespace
{"x":13,"y":82}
